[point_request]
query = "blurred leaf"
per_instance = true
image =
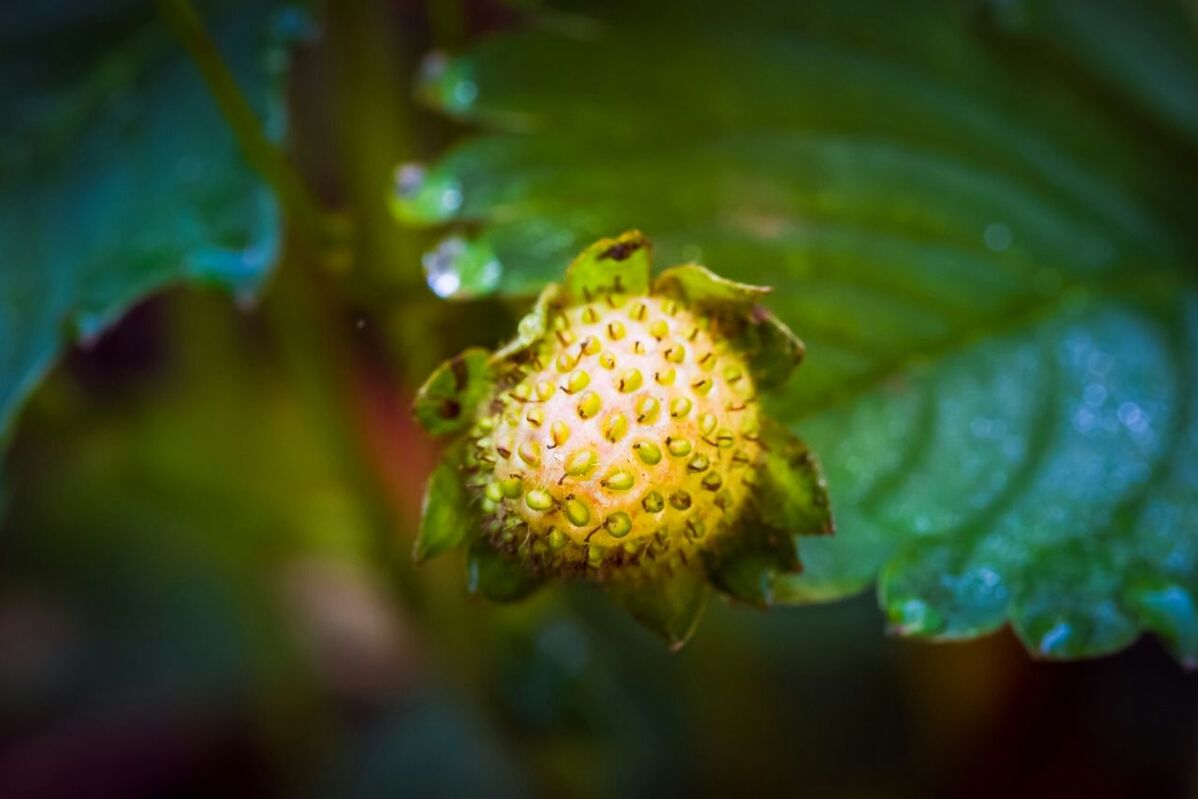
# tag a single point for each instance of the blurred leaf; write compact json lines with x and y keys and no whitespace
{"x":118,"y":174}
{"x":446,"y":517}
{"x":989,"y":259}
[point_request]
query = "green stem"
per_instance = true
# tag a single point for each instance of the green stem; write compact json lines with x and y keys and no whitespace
{"x":311,"y":220}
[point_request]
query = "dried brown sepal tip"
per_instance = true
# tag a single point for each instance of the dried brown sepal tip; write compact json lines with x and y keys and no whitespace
{"x":619,"y":439}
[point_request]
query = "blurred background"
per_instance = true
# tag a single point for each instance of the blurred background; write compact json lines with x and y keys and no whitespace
{"x":209,"y":505}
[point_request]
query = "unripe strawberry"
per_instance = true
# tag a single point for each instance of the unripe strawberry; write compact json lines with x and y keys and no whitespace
{"x":619,"y":438}
{"x":628,"y":435}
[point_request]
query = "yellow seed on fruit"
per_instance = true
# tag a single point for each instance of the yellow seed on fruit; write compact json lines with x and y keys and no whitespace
{"x":486,"y":423}
{"x":653,"y":502}
{"x":614,"y":299}
{"x":530,"y":452}
{"x":614,"y":427}
{"x":566,"y":361}
{"x":577,"y":381}
{"x":589,"y":405}
{"x":618,"y":480}
{"x":707,"y":362}
{"x":581,"y":462}
{"x":638,"y":347}
{"x":545,"y":390}
{"x":512,"y":417}
{"x":590,"y":315}
{"x":638,"y":312}
{"x":535,"y":416}
{"x":725,"y":439}
{"x":615,"y":331}
{"x":591,"y":345}
{"x":666,"y":377}
{"x":712,"y":481}
{"x":577,"y":512}
{"x":678,"y":447}
{"x":595,"y":555}
{"x":680,"y":500}
{"x":522,"y":391}
{"x":618,"y":524}
{"x":695,"y":528}
{"x":702,"y":386}
{"x":561,"y":322}
{"x":648,"y":452}
{"x":494,"y":492}
{"x":630,"y":381}
{"x":669,"y":307}
{"x":557,"y":539}
{"x":707,"y":423}
{"x":565,"y":337}
{"x":698,"y":463}
{"x":675,"y":353}
{"x":560,"y":432}
{"x":510,"y":487}
{"x":749,"y":428}
{"x":680,"y":407}
{"x":607,"y":360}
{"x":538,"y":499}
{"x":659,"y":329}
{"x":647,"y":409}
{"x":732,"y":373}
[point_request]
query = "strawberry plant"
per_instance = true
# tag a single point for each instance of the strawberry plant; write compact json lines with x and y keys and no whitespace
{"x":349,"y":344}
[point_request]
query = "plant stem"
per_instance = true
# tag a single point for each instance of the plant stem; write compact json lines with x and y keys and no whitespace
{"x":310,"y":220}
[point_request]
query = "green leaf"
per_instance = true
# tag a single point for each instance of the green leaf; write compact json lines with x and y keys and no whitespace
{"x":119,"y":175}
{"x":447,"y":400}
{"x":670,"y":607}
{"x":446,"y":515}
{"x":495,"y":576}
{"x":619,"y":264}
{"x":989,"y":259}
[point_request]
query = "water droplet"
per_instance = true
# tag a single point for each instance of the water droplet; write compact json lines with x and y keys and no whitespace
{"x":424,"y":197}
{"x":458,"y":269}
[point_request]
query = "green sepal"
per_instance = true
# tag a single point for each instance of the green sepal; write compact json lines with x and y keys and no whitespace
{"x":670,"y":607}
{"x":495,"y":576}
{"x":533,"y":327}
{"x":792,"y":495}
{"x":447,"y":400}
{"x":698,"y":285}
{"x":621,"y":264}
{"x":770,"y":347}
{"x":447,"y":516}
{"x":746,"y":567}
{"x":748,"y":577}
